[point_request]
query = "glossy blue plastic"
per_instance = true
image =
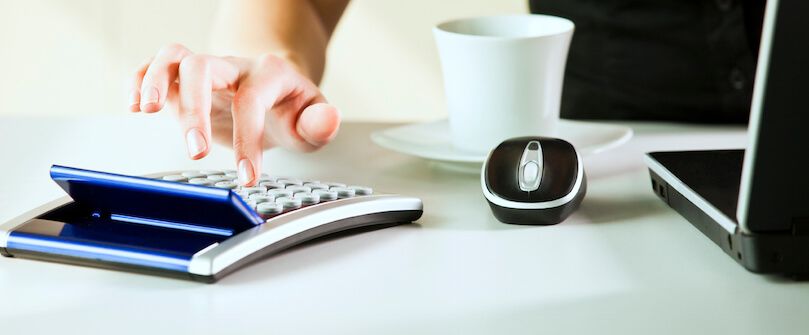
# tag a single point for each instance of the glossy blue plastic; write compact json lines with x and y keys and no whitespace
{"x":154,"y":202}
{"x":70,"y":231}
{"x":133,"y":220}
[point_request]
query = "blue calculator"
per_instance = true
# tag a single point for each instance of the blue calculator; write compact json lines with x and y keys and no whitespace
{"x":197,"y":225}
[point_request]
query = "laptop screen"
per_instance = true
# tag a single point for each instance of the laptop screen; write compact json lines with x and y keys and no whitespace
{"x":774,"y":193}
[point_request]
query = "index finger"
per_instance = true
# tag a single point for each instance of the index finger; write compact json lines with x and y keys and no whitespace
{"x":198,"y":76}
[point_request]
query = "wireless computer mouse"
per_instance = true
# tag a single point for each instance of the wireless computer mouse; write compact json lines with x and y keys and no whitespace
{"x":533,"y":180}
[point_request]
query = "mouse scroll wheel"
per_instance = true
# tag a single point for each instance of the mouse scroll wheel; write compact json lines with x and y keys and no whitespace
{"x":530,"y":172}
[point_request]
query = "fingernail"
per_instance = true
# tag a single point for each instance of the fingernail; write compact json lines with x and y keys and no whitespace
{"x":246,"y":174}
{"x":134,"y":100}
{"x":196,"y":142}
{"x":151,"y":96}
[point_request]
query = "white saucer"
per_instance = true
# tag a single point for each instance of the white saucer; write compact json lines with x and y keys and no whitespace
{"x":432,"y":141}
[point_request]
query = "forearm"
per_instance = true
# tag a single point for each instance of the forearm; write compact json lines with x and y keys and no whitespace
{"x":297,"y":30}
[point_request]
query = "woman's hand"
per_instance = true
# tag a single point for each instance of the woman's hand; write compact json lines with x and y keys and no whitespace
{"x":251,"y":104}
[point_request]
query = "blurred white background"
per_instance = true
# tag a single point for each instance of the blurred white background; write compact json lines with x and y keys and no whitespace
{"x":61,"y":57}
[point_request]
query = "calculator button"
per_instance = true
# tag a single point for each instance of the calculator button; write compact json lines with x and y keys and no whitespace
{"x":285,"y":193}
{"x":298,"y":189}
{"x":260,"y":198}
{"x":326,"y":195}
{"x":269,"y":209}
{"x":175,"y":177}
{"x":200,"y":181}
{"x":344,"y":192}
{"x":219,"y":177}
{"x":361,"y":190}
{"x":271,"y":185}
{"x":266,"y":180}
{"x":251,"y":203}
{"x":226,"y":184}
{"x":254,"y":189}
{"x":307,"y":198}
{"x":317,"y":186}
{"x":290,"y":182}
{"x":289,"y":203}
{"x":193,"y":174}
{"x":280,"y":193}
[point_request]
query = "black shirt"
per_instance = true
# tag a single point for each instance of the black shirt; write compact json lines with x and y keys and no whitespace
{"x":678,"y":60}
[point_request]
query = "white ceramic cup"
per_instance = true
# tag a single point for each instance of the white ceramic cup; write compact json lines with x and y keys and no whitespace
{"x":502,"y":76}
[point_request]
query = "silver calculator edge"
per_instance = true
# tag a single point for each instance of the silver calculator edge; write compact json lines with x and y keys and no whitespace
{"x":9,"y":226}
{"x":293,"y":228}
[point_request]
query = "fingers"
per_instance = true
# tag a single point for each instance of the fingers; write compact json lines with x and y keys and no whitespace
{"x":300,"y":119}
{"x":256,"y":96}
{"x":248,"y":133}
{"x":195,"y":104}
{"x":159,"y":76}
{"x":134,"y":89}
{"x":318,"y":124}
{"x":198,"y":76}
{"x":305,"y":127}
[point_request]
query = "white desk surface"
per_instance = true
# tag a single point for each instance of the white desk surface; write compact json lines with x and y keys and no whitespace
{"x":625,"y":263}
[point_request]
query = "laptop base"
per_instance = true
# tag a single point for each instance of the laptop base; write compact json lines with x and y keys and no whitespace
{"x":703,"y":186}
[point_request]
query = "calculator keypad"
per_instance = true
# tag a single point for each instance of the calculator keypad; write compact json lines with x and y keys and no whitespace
{"x":272,"y":195}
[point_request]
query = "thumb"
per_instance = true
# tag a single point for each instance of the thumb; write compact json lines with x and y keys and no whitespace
{"x":318,"y":124}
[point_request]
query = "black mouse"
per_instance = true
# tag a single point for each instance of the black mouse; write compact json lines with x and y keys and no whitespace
{"x":533,"y":180}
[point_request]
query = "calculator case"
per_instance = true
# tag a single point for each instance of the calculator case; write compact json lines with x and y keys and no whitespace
{"x":178,"y":230}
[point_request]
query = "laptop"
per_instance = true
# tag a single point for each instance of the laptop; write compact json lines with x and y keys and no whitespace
{"x":754,"y":203}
